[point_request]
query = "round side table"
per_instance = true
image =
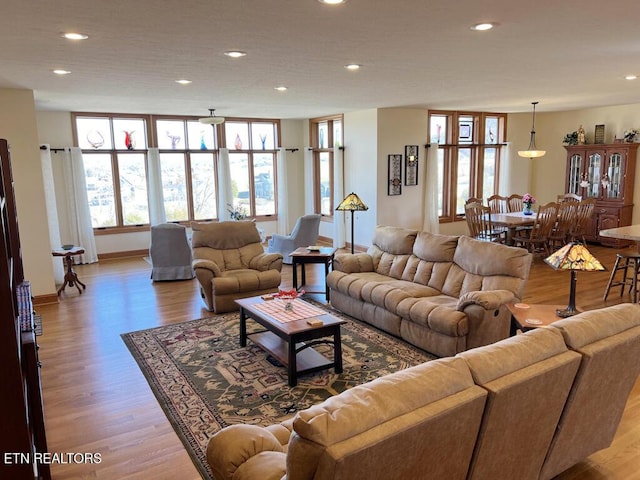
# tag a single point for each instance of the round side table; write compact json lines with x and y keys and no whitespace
{"x":70,"y":277}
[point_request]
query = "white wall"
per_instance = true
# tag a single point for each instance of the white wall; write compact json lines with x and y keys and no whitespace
{"x":361,"y":172}
{"x":18,"y":126}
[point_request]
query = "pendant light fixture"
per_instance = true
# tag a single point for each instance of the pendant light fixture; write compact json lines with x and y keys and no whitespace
{"x":532,"y":152}
{"x":211,"y":119}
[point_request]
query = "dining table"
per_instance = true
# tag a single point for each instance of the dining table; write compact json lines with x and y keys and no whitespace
{"x":512,"y":221}
{"x":630,"y":232}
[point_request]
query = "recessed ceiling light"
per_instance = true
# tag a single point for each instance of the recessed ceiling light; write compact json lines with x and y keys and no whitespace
{"x":352,"y":66}
{"x":59,"y":71}
{"x":483,"y":26}
{"x":235,"y":53}
{"x":281,"y":88}
{"x":183,"y":81}
{"x":630,"y":77}
{"x":332,"y":2}
{"x":75,"y":36}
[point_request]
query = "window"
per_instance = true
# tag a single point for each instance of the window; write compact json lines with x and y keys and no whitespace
{"x":114,"y":151}
{"x":188,"y":152}
{"x":469,"y":153}
{"x":326,"y":133}
{"x":252,"y":148}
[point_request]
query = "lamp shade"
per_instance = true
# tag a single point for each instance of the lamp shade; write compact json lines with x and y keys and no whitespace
{"x":352,"y":203}
{"x":211,"y":119}
{"x":574,"y":256}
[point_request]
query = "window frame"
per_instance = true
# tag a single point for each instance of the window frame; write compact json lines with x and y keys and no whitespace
{"x":314,"y":138}
{"x":451,"y":153}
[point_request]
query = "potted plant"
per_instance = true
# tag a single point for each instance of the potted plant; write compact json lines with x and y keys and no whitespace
{"x":571,"y":138}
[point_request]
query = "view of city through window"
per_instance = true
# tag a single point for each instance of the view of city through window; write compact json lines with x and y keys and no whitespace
{"x":116,"y":156}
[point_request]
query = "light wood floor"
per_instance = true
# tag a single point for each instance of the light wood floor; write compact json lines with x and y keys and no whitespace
{"x":97,"y":401}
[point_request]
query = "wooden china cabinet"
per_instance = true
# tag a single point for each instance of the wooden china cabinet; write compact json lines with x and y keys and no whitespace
{"x":22,"y":439}
{"x":605,"y":172}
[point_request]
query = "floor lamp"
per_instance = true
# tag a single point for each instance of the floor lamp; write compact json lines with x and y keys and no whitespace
{"x":574,"y":257}
{"x":352,"y":203}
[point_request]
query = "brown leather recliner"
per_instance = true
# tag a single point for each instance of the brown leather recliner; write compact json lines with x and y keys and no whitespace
{"x":230,"y":263}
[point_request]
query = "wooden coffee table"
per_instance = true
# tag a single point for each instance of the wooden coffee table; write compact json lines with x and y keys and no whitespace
{"x":532,"y":316}
{"x":291,"y":342}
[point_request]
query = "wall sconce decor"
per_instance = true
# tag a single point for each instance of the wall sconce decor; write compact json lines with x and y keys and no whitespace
{"x":395,"y":174}
{"x":411,"y":165}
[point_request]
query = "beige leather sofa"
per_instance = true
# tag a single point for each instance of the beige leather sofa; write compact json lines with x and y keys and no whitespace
{"x":230,"y":263}
{"x":527,"y":407}
{"x":442,"y":293}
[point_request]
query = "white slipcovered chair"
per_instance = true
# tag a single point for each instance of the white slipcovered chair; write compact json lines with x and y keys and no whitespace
{"x":304,"y":233}
{"x":170,"y":253}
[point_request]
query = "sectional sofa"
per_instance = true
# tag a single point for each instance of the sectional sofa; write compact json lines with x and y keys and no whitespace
{"x":526,"y":407}
{"x":442,"y":293}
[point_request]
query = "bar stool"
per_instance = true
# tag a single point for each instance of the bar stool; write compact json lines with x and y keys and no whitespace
{"x":631,"y":262}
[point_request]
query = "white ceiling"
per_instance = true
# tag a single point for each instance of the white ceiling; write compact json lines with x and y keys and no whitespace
{"x":567,"y":54}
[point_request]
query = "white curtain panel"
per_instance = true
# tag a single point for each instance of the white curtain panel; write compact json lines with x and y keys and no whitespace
{"x":283,"y":193}
{"x":225,"y":194}
{"x":431,"y":223}
{"x":157,"y":214}
{"x":78,"y":204}
{"x":308,"y":180}
{"x":505,"y":188}
{"x":338,"y":196}
{"x":52,"y":212}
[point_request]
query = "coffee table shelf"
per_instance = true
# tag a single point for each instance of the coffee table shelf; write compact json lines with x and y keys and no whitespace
{"x":307,"y":359}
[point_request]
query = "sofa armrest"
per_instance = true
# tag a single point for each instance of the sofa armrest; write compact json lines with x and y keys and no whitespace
{"x":238,"y":446}
{"x":207,"y":265}
{"x":489,"y":299}
{"x":353,"y":262}
{"x":266,"y":261}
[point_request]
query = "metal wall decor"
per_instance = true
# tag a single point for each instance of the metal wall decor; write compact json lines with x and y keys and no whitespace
{"x":395,"y":174}
{"x":411,"y":165}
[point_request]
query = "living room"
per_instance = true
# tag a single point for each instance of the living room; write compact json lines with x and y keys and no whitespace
{"x":371,"y":132}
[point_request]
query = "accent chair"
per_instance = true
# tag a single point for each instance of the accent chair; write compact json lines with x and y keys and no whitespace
{"x":304,"y":233}
{"x":170,"y":253}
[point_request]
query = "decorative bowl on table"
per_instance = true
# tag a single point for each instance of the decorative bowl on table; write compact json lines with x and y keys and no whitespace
{"x":314,"y":248}
{"x":288,"y":296}
{"x":67,"y":246}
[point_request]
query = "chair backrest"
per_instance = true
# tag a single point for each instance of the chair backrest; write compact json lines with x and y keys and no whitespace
{"x":473,"y":200}
{"x":515,"y":203}
{"x":566,"y":217}
{"x":169,"y":245}
{"x":584,"y":212}
{"x":609,"y":346}
{"x":568,"y":197}
{"x":306,"y":230}
{"x":231,"y":245}
{"x":498,"y":204}
{"x":545,"y":220}
{"x":510,"y":371}
{"x":478,"y":220}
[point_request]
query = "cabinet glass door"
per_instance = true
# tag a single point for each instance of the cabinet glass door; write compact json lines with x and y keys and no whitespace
{"x":574,"y":174}
{"x":614,"y":171}
{"x":594,"y":174}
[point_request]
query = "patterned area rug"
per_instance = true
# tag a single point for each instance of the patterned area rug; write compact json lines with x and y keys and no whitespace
{"x":205,"y":381}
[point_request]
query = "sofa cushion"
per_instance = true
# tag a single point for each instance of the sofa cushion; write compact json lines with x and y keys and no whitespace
{"x":394,"y":240}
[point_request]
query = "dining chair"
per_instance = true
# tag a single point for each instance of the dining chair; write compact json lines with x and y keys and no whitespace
{"x":536,"y":240}
{"x":514,"y":203}
{"x":584,"y":212}
{"x":566,"y":218}
{"x":568,"y":197}
{"x":479,"y":222}
{"x":498,"y":204}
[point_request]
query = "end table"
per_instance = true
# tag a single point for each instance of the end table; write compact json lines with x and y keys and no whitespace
{"x":301,"y":256}
{"x":70,"y":277}
{"x":527,"y":317}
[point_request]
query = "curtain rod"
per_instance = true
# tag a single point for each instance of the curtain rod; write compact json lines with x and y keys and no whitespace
{"x":54,"y":150}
